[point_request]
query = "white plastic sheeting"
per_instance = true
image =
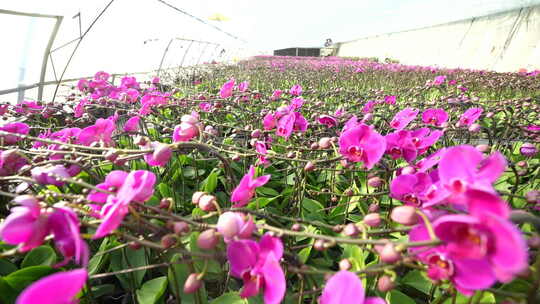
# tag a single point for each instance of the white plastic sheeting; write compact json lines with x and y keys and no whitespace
{"x":129,"y":36}
{"x":502,"y":42}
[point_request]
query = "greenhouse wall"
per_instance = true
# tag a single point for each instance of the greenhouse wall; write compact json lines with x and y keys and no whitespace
{"x":503,"y":42}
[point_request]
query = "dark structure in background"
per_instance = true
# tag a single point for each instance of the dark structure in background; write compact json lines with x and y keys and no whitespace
{"x":304,"y":52}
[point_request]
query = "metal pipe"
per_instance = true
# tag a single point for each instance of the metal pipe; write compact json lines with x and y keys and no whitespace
{"x":47,"y":53}
{"x":163,"y":57}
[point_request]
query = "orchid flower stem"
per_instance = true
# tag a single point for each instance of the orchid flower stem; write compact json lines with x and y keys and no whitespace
{"x":429,"y":227}
{"x":203,"y":271}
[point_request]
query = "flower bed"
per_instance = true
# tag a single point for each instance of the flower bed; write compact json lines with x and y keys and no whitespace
{"x":276,"y":180}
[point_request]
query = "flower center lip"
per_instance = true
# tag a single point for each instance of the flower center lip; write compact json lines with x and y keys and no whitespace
{"x":356,"y":151}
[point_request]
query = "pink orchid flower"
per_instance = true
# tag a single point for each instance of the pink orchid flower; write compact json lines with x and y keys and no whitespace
{"x":245,"y":190}
{"x":257,"y":264}
{"x":391,"y":100}
{"x":269,"y":121}
{"x":352,"y":122}
{"x":487,"y":238}
{"x":285,"y":125}
{"x":260,"y":147}
{"x":466,"y":275}
{"x":243,"y":86}
{"x":435,"y":117}
{"x":403,"y":118}
{"x":50,"y":175}
{"x":129,"y":82}
{"x":368,"y":107}
{"x":26,"y":225}
{"x":79,"y":109}
{"x":28,"y":107}
{"x":339,"y":112}
{"x":400,"y":144}
{"x":14,"y":127}
{"x":296,"y":103}
{"x":411,"y":188}
{"x":113,"y":181}
{"x":139,"y":187}
{"x":276,"y":95}
{"x":431,"y":161}
{"x":439,"y":80}
{"x":61,"y":287}
{"x":362,"y":144}
{"x":64,"y":226}
{"x":227,"y":89}
{"x":235,"y":224}
{"x":132,"y":124}
{"x":464,"y":167}
{"x":11,"y":162}
{"x":345,"y":287}
{"x":296,"y":90}
{"x":300,"y":123}
{"x":187,"y":129}
{"x":470,"y":116}
{"x":205,"y":106}
{"x":161,"y":155}
{"x":328,"y":121}
{"x":101,"y":131}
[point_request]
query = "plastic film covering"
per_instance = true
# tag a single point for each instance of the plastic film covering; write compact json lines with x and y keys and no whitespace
{"x":118,"y":36}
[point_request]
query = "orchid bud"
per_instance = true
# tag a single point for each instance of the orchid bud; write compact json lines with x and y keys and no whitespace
{"x":483,"y":148}
{"x":256,"y":133}
{"x":208,"y":203}
{"x":134,"y":245}
{"x":314,"y":146}
{"x":374,"y":208}
{"x":189,"y":119}
{"x":528,"y":149}
{"x":235,"y":158}
{"x":408,"y":170}
{"x":474,"y":127}
{"x":389,"y":254}
{"x":180,"y":228}
{"x":367,"y":117}
{"x":324,"y":143}
{"x":162,"y":153}
{"x":111,"y":155}
{"x":405,"y":215}
{"x":197,"y":197}
{"x":165,"y":203}
{"x":309,"y":166}
{"x":168,"y":240}
{"x":337,"y":228}
{"x":372,"y":219}
{"x":296,"y":227}
{"x":208,"y":239}
{"x":228,"y":224}
{"x":140,"y":140}
{"x":375,"y":182}
{"x":192,"y":284}
{"x":533,"y":197}
{"x":522,"y":164}
{"x":319,"y":245}
{"x":345,"y":264}
{"x":385,"y":283}
{"x":351,"y":230}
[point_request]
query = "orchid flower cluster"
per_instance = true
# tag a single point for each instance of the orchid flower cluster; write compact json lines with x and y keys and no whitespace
{"x":275,"y":180}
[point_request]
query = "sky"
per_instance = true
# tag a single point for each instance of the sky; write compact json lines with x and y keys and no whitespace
{"x":117,"y":41}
